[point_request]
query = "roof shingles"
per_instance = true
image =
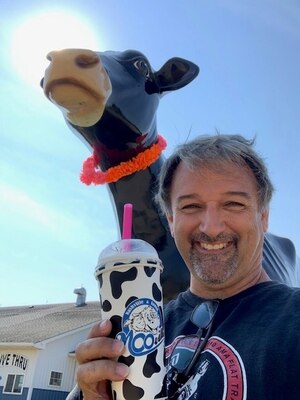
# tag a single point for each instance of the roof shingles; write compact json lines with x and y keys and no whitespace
{"x":38,"y":323}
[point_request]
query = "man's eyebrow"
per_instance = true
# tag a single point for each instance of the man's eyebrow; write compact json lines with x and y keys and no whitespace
{"x":246,"y":195}
{"x":195,"y":196}
{"x":187,"y":197}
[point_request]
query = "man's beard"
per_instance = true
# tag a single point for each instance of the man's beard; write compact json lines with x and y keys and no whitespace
{"x":214,"y":269}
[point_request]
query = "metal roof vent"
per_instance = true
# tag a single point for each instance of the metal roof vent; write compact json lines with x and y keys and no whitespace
{"x":81,"y":295}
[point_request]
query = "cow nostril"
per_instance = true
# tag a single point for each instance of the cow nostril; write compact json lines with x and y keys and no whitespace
{"x":87,"y":61}
{"x":49,"y":56}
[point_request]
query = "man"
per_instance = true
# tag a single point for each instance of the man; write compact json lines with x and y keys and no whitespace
{"x":234,"y":334}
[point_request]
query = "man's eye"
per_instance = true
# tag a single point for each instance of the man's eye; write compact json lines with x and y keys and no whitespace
{"x":234,"y":205}
{"x":191,"y":207}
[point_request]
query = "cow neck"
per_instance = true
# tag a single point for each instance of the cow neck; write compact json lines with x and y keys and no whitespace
{"x":92,"y":174}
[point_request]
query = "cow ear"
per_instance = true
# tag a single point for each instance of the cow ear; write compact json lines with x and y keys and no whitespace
{"x":175,"y":74}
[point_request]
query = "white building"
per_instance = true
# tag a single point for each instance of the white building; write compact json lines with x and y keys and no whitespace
{"x":37,"y":345}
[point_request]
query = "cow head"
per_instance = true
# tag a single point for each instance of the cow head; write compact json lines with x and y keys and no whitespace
{"x":110,"y":98}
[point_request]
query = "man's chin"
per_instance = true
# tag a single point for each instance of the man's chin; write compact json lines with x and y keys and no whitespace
{"x":216,"y":268}
{"x":211,"y":275}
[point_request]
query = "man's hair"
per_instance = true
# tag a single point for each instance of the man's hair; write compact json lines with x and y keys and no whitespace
{"x":213,"y":152}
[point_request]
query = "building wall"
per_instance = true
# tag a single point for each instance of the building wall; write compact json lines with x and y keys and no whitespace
{"x":56,"y":358}
{"x":17,"y":361}
{"x":22,"y":396}
{"x":36,"y":366}
{"x":41,"y":394}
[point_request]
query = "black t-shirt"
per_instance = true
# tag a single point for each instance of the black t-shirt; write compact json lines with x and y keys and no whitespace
{"x":253,"y":352}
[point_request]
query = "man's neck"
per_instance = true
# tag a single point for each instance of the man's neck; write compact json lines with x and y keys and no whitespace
{"x":222,"y":291}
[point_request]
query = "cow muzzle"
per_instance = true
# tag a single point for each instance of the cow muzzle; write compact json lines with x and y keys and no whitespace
{"x":78,"y":84}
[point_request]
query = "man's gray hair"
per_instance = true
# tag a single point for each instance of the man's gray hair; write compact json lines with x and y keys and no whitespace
{"x":212,"y":152}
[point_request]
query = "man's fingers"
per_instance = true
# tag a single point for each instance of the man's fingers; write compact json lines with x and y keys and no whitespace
{"x":97,"y":357}
{"x":97,"y":348}
{"x":100,"y":370}
{"x":102,"y":328}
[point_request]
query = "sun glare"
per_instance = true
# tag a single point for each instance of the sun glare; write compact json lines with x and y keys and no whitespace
{"x":39,"y":34}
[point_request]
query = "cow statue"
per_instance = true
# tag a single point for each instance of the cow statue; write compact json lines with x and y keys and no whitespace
{"x":109,"y":99}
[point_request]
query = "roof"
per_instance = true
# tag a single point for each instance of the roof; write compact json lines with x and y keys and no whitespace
{"x":33,"y":324}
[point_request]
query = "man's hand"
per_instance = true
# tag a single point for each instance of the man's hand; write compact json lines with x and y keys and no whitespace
{"x":97,"y":366}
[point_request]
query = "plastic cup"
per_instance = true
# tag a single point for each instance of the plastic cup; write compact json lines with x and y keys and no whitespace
{"x":128,"y":274}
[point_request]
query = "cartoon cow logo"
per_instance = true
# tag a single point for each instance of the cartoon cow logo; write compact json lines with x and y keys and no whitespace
{"x":142,"y":327}
{"x":146,"y":320}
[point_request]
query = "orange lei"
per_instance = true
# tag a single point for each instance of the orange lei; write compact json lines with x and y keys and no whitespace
{"x":91,"y":174}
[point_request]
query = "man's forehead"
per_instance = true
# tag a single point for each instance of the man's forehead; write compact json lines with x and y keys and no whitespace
{"x":227,"y":178}
{"x":220,"y":166}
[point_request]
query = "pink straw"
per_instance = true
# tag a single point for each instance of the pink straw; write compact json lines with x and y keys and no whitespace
{"x":127,"y":221}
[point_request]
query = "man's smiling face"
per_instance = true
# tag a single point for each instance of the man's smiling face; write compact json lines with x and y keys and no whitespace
{"x":217,"y":223}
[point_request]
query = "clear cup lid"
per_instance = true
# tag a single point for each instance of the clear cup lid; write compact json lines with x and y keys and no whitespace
{"x":127,"y":248}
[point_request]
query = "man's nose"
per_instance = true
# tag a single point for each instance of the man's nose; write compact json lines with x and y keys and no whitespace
{"x":212,"y":222}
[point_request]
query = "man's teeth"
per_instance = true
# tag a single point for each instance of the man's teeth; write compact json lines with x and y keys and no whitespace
{"x":218,"y":246}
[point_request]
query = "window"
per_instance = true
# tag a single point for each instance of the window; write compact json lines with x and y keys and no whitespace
{"x":55,"y":378}
{"x":14,"y":384}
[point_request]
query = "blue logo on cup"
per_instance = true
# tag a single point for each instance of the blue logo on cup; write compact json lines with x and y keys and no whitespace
{"x":142,"y":327}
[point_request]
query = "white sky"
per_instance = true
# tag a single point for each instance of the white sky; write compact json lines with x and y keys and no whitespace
{"x":52,"y":227}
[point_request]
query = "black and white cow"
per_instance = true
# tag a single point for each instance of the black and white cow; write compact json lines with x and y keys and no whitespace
{"x":110,"y":100}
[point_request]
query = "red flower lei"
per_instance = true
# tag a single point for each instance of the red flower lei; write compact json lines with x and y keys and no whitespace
{"x":91,"y":173}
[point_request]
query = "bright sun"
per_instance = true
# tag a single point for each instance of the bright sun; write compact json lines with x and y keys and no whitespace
{"x":34,"y":38}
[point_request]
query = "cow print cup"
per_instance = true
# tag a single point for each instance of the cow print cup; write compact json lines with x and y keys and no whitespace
{"x":128,"y":274}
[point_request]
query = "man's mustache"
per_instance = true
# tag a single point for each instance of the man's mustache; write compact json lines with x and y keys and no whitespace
{"x":222,"y":237}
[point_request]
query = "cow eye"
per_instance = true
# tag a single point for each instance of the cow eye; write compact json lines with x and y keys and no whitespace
{"x":142,"y":67}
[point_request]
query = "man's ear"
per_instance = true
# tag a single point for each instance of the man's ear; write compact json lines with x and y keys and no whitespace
{"x":265,"y":219}
{"x":170,"y":222}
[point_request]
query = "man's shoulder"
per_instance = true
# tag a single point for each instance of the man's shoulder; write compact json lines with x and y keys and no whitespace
{"x":276,"y":293}
{"x":283,"y":290}
{"x":273,"y":288}
{"x":277,"y":299}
